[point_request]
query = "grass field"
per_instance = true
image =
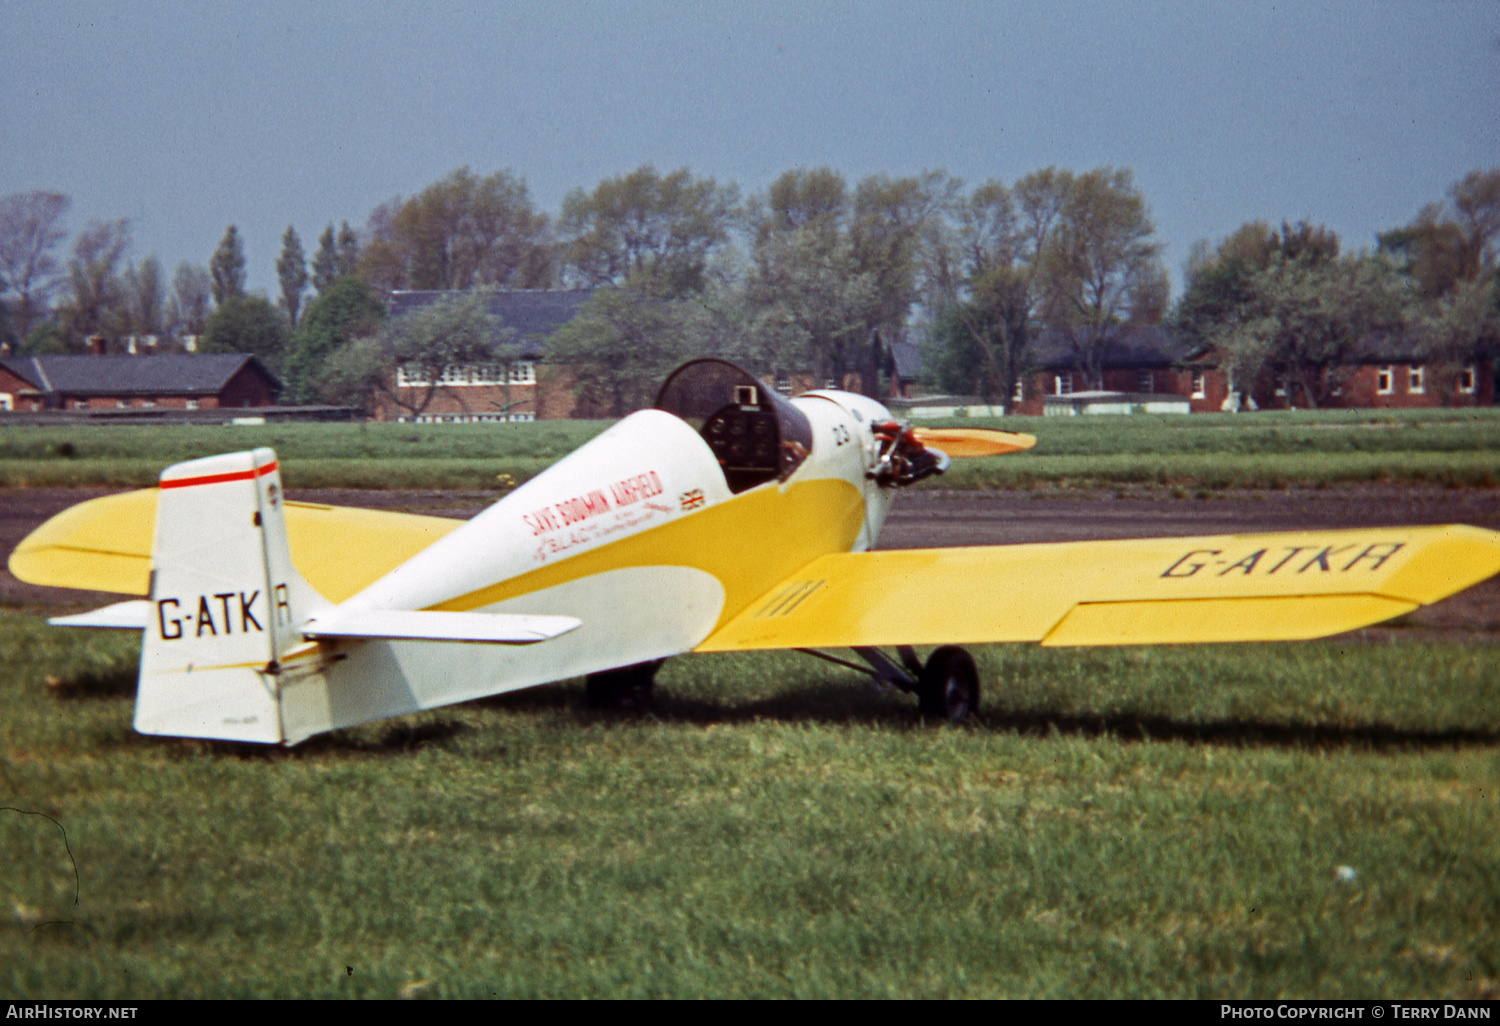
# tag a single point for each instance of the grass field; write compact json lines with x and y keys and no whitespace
{"x":1312,"y":820}
{"x":1458,"y":447}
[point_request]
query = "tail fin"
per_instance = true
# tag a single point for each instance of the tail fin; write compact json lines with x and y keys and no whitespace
{"x":226,"y":602}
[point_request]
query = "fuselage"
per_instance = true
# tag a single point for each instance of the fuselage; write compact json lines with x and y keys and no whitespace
{"x":638,"y":534}
{"x":650,"y":493}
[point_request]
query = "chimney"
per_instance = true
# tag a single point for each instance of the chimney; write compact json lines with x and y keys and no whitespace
{"x":98,"y":345}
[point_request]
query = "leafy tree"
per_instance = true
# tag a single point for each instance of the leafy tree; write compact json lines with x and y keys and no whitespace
{"x":622,"y":343}
{"x":145,"y":298}
{"x":454,"y":331}
{"x":189,"y":305}
{"x":1219,"y":283}
{"x":346,"y":256}
{"x":356,"y":374}
{"x":30,"y":229}
{"x":247,"y":324}
{"x":45,"y":339}
{"x":348,"y":310}
{"x":325,"y":266}
{"x":95,"y":302}
{"x":227,"y":266}
{"x":890,"y":219}
{"x":291,"y":271}
{"x":1102,"y":264}
{"x":647,"y":226}
{"x":1457,"y":329}
{"x":981,"y":341}
{"x":815,"y":303}
{"x":461,"y":232}
{"x":1453,"y":243}
{"x":1302,"y":317}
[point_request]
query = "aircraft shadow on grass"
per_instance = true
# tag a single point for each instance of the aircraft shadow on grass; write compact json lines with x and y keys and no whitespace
{"x":834,"y":703}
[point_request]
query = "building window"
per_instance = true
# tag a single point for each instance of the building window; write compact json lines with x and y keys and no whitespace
{"x":192,"y":404}
{"x":1145,"y":381}
{"x":1468,"y":378}
{"x":8,"y":402}
{"x":1416,"y":381}
{"x":1063,"y":383}
{"x":523,"y":373}
{"x":408,"y":376}
{"x":1200,"y":385}
{"x":1385,"y":378}
{"x":1019,"y":395}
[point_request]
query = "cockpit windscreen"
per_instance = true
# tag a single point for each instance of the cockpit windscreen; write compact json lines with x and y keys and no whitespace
{"x":755,"y":434}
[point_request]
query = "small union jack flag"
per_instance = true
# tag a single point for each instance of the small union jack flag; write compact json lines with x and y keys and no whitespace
{"x":692,"y":499}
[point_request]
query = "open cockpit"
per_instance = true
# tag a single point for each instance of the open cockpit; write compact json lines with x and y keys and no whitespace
{"x":755,"y":434}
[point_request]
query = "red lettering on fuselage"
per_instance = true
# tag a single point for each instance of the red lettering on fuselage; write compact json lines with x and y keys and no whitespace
{"x":540,"y":521}
{"x":634,"y":489}
{"x":580,"y":508}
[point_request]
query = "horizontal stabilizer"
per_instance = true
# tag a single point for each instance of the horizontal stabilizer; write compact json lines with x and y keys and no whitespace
{"x":1153,"y":591}
{"x":423,"y":625}
{"x":119,"y":616}
{"x":104,"y":544}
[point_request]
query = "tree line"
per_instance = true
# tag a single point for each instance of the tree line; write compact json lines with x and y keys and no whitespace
{"x":814,"y":275}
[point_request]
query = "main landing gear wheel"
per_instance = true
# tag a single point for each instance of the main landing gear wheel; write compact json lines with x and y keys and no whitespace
{"x":949,"y":686}
{"x":627,"y":689}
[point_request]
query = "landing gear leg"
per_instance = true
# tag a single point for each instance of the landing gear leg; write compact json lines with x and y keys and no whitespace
{"x":627,"y":689}
{"x":948,"y":688}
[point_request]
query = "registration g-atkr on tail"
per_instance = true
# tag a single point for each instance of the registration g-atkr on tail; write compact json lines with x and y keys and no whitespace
{"x":725,"y":518}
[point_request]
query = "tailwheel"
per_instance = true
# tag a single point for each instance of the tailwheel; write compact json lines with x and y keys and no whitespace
{"x":949,"y":686}
{"x":627,"y":689}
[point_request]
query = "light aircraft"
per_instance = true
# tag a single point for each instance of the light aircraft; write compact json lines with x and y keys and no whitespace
{"x":725,"y":518}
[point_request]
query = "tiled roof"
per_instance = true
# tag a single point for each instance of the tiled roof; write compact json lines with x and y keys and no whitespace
{"x":1130,"y":347}
{"x":166,"y":374}
{"x":532,"y":313}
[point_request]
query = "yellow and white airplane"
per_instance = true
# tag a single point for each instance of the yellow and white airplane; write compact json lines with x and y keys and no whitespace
{"x":726,"y":518}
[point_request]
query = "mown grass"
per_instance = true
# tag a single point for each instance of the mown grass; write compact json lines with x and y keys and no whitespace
{"x":1136,"y":823}
{"x":376,"y":455}
{"x":1456,"y":447}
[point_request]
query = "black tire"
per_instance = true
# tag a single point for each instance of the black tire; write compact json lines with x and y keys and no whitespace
{"x":627,"y":689}
{"x":949,"y":686}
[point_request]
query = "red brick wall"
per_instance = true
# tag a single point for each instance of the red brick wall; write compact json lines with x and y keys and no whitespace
{"x":1440,"y":387}
{"x":22,"y":392}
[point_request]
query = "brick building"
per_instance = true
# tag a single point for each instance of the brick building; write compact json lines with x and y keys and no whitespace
{"x":184,"y":381}
{"x":1383,"y":372}
{"x":524,"y":388}
{"x":1139,"y":362}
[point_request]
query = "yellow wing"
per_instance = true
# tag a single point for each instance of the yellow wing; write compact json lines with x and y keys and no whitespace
{"x":105,"y":545}
{"x":964,"y":442}
{"x":1267,"y":587}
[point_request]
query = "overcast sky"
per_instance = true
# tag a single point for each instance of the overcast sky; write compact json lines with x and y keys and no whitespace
{"x":187,"y":117}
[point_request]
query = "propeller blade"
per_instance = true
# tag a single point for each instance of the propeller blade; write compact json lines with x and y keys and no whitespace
{"x":965,"y":442}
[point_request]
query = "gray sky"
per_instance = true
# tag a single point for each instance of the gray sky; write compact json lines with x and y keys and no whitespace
{"x":186,"y":117}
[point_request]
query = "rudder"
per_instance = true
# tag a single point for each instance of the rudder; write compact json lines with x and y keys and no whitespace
{"x":225,"y":602}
